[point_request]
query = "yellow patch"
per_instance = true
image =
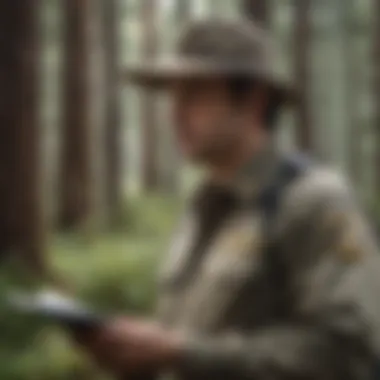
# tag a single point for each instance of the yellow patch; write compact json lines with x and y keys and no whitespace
{"x":349,"y":247}
{"x":242,"y":238}
{"x":241,"y":244}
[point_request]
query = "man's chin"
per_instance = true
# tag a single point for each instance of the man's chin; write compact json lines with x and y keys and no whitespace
{"x":192,"y":158}
{"x":188,"y":153}
{"x":197,"y":157}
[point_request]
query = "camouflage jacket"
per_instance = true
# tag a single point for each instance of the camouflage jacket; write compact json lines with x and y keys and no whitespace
{"x":313,"y":320}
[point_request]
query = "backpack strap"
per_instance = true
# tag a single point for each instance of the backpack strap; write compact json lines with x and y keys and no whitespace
{"x":289,"y":170}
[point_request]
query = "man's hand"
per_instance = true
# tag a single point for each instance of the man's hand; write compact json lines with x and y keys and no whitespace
{"x":131,"y":346}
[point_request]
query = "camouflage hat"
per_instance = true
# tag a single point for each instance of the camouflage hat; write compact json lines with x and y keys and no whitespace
{"x":216,"y":48}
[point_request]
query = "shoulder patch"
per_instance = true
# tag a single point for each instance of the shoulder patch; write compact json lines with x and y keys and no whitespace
{"x":348,"y":245}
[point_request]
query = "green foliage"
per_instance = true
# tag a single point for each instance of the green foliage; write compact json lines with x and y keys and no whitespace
{"x":114,"y":272}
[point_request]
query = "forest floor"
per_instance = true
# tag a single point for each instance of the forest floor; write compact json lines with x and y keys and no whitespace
{"x":114,"y":271}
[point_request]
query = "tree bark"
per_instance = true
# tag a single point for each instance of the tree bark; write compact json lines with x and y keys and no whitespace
{"x":376,"y":66}
{"x":113,"y":137}
{"x":76,"y":177}
{"x":302,"y":41}
{"x":150,"y":162}
{"x":173,"y":159}
{"x":22,"y":216}
{"x":353,"y":95}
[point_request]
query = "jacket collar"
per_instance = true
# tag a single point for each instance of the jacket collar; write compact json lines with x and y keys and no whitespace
{"x":250,"y":179}
{"x":256,"y":173}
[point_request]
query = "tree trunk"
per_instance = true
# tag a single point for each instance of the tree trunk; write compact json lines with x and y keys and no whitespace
{"x":256,"y":10}
{"x":21,"y":222}
{"x":183,"y":9}
{"x":353,"y":94}
{"x":76,"y":176}
{"x":150,"y":168}
{"x":376,"y":65}
{"x":302,"y":41}
{"x":173,"y":159}
{"x":113,"y":178}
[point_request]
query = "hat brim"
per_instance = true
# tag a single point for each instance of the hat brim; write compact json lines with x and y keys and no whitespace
{"x":160,"y":75}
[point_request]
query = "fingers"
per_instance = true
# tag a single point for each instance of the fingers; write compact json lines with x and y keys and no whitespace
{"x":81,"y":337}
{"x":106,"y":346}
{"x":124,"y":345}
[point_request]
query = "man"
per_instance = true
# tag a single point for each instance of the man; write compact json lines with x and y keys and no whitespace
{"x":230,"y":306}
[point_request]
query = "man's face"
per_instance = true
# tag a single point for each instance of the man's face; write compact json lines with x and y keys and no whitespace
{"x":206,"y":119}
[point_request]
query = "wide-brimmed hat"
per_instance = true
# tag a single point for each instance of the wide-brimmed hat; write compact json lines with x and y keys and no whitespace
{"x":216,"y":47}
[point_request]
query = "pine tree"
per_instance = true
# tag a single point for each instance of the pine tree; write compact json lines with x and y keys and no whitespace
{"x":76,"y":178}
{"x":150,"y":169}
{"x":113,"y":180}
{"x":21,"y":222}
{"x":376,"y":66}
{"x":353,"y":94}
{"x":173,"y":160}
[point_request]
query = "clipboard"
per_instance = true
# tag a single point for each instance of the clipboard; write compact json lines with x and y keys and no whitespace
{"x":53,"y":307}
